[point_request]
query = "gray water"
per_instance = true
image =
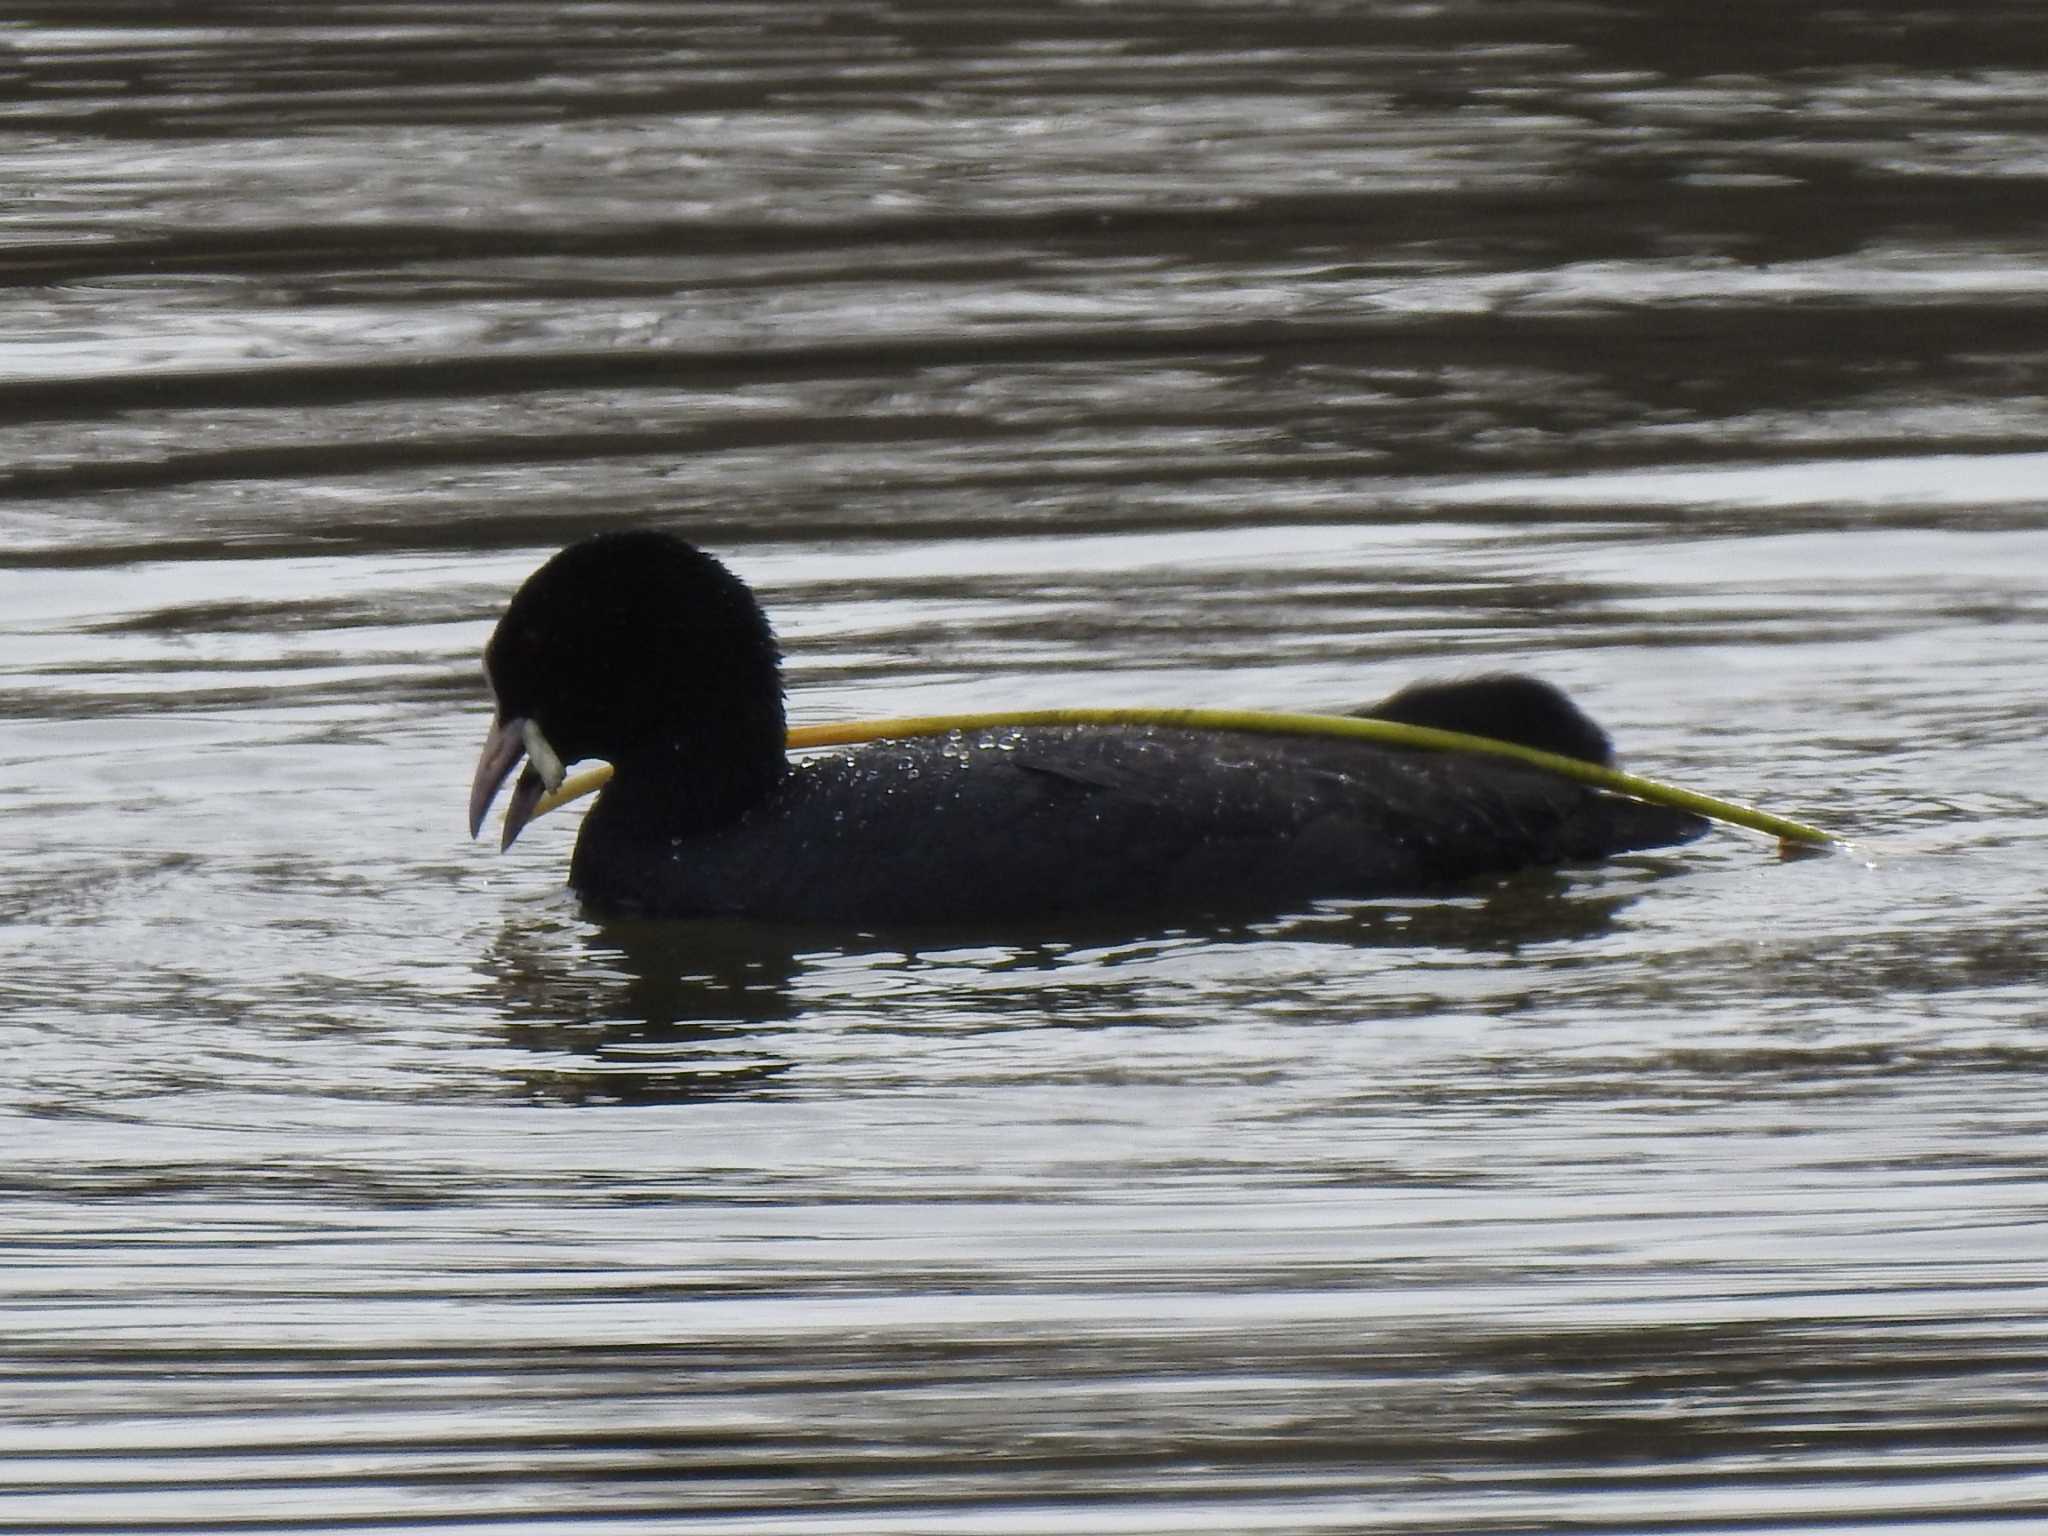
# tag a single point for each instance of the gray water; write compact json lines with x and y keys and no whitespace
{"x":1690,"y":357}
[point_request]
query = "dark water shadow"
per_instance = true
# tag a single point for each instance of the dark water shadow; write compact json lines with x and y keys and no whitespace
{"x":641,"y":1012}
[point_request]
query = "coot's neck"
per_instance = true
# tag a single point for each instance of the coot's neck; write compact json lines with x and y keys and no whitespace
{"x":697,"y":782}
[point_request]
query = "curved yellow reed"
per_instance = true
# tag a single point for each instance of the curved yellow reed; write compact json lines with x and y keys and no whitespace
{"x":1386,"y":732}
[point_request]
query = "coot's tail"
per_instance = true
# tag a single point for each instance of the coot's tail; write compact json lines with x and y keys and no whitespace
{"x":1503,"y":705}
{"x":1507,"y":706}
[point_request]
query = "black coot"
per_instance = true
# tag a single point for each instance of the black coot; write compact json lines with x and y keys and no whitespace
{"x":641,"y":650}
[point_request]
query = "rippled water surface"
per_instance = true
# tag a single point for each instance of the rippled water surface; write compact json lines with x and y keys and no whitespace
{"x":1144,"y":354}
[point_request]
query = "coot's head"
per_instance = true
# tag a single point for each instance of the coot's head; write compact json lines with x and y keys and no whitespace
{"x":639,"y":649}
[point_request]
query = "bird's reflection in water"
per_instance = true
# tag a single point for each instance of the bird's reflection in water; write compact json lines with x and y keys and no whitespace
{"x":641,"y":1012}
{"x":1502,"y":917}
{"x":661,"y":1012}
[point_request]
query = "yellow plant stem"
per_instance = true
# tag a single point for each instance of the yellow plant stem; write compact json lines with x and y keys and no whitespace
{"x":1385,"y":732}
